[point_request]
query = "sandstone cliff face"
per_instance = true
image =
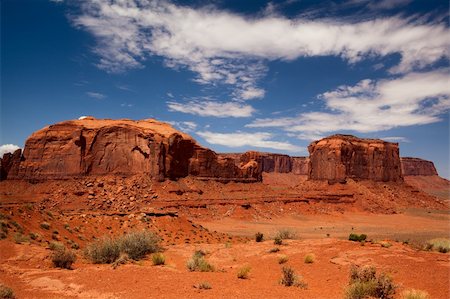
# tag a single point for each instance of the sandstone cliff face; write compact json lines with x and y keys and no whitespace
{"x":416,"y":166}
{"x":99,"y":147}
{"x":300,"y":165}
{"x":8,"y":162}
{"x":338,"y":157}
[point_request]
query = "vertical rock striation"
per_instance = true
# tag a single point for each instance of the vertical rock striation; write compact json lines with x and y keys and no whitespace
{"x":339,"y":157}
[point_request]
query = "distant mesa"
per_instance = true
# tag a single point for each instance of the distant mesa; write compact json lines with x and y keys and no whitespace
{"x":416,"y":166}
{"x":94,"y":147}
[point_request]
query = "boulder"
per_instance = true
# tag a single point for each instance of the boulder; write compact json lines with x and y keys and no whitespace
{"x":416,"y":166}
{"x":339,"y":157}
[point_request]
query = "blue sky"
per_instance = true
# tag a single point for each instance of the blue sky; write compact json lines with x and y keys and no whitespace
{"x":236,"y":75}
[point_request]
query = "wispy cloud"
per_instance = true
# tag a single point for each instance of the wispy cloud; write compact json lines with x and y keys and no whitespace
{"x":370,"y":106}
{"x":255,"y":140}
{"x":396,"y":138}
{"x":95,"y":95}
{"x":227,"y":48}
{"x":212,"y":108}
{"x":184,"y":126}
{"x":126,"y":105}
{"x":8,"y":148}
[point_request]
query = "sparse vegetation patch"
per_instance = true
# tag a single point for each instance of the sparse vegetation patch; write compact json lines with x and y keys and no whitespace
{"x":63,"y":258}
{"x":244,"y":272}
{"x":357,"y":238}
{"x":6,"y":292}
{"x":415,"y":294}
{"x":158,"y":259}
{"x":310,"y":258}
{"x":199,"y":263}
{"x":365,"y":283}
{"x":439,"y":244}
{"x":136,"y":245}
{"x":259,"y":237}
{"x":290,"y":279}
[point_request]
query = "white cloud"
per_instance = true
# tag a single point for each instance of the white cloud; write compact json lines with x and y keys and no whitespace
{"x":8,"y":148}
{"x":211,"y":108}
{"x":126,"y":105}
{"x":83,"y":117}
{"x":370,"y":106}
{"x":255,"y":140}
{"x":184,"y":126}
{"x":395,"y":138}
{"x":96,"y":95}
{"x":223,"y":47}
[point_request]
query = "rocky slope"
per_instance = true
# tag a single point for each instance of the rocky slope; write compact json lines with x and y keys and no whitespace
{"x":339,"y":157}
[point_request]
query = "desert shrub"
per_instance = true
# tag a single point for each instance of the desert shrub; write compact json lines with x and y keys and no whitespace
{"x":277,"y":241}
{"x":121,"y":260}
{"x":439,"y":244}
{"x":385,"y":244}
{"x":273,"y":250}
{"x":286,"y":234}
{"x":45,"y":225}
{"x":204,"y":286}
{"x":365,"y":283}
{"x":259,"y":237}
{"x":282,"y":259}
{"x":56,"y":246}
{"x":139,"y":244}
{"x":243,"y":272}
{"x":103,"y":251}
{"x":63,"y":258}
{"x":310,"y":258}
{"x":6,"y":292}
{"x":4,"y":226}
{"x":415,"y":294}
{"x":158,"y":259}
{"x":34,"y":236}
{"x":136,"y":245}
{"x":198,"y":263}
{"x":19,"y":238}
{"x":289,"y":278}
{"x":357,"y":238}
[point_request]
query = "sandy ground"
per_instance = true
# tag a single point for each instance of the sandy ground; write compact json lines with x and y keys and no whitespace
{"x":28,"y":270}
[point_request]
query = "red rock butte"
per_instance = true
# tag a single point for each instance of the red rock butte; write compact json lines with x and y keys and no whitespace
{"x":95,"y":147}
{"x":339,"y":157}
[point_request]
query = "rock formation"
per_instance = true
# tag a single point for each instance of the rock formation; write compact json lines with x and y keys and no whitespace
{"x":8,"y":162}
{"x":416,"y":166}
{"x":339,"y":157}
{"x":99,"y":147}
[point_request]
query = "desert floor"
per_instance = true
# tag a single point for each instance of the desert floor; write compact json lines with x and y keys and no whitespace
{"x":27,"y":268}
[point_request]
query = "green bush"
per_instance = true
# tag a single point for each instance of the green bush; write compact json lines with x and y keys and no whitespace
{"x":357,"y":238}
{"x":6,"y":292}
{"x":158,"y":259}
{"x":63,"y":258}
{"x":259,"y":237}
{"x":198,"y":263}
{"x":243,"y":272}
{"x":135,"y":245}
{"x":415,"y":294}
{"x":365,"y":283}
